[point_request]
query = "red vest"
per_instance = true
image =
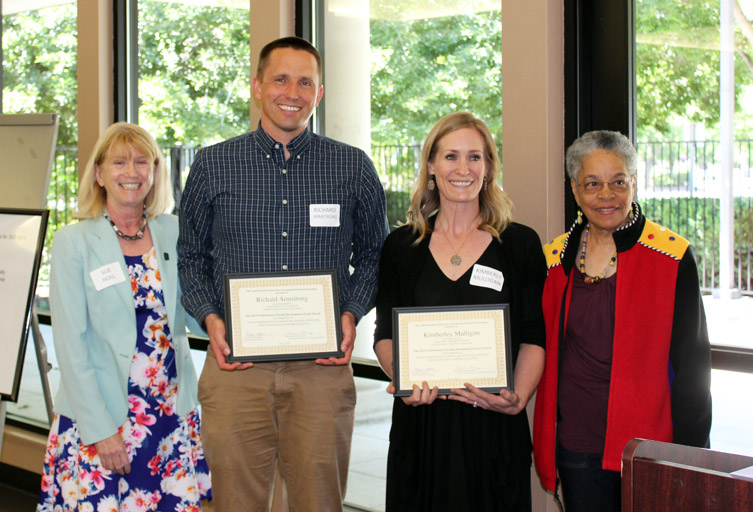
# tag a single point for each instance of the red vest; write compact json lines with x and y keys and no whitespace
{"x":639,"y":389}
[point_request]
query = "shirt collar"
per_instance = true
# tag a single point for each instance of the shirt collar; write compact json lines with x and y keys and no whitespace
{"x":295,"y":146}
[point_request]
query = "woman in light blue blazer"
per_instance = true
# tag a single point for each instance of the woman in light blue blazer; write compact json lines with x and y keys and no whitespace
{"x":126,"y":430}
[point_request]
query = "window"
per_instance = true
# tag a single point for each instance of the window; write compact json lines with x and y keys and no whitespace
{"x":191,"y":75}
{"x":670,"y":52}
{"x":193,"y":70}
{"x":39,"y":75}
{"x":377,"y":99}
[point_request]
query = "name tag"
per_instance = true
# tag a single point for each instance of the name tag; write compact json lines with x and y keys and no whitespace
{"x":324,"y":215}
{"x":107,"y":275}
{"x":487,"y":277}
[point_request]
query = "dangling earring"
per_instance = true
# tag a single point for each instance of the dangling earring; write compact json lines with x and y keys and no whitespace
{"x":579,"y":219}
{"x":631,"y":213}
{"x":486,"y":183}
{"x":430,"y":186}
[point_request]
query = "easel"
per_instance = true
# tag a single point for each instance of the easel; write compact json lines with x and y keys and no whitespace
{"x":25,"y":140}
{"x":40,"y":348}
{"x":44,"y":365}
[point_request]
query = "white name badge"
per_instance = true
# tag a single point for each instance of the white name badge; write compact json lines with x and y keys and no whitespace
{"x":324,"y":215}
{"x":107,"y":275}
{"x":487,"y":277}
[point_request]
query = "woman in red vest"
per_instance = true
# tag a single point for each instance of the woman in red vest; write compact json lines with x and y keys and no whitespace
{"x":627,"y":352}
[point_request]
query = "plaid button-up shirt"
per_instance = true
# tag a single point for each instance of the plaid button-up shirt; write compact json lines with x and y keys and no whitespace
{"x":246,"y":209}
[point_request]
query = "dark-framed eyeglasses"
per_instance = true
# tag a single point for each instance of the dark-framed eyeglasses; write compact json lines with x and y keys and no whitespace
{"x":594,"y":186}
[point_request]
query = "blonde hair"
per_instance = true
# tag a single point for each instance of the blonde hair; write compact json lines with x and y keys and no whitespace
{"x":92,"y":198}
{"x":495,"y":207}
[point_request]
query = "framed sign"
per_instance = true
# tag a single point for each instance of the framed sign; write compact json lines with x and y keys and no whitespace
{"x":21,"y":242}
{"x":282,"y":316}
{"x":449,"y":346}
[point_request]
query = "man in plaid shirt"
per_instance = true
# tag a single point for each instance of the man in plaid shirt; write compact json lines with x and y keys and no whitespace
{"x":280,"y":199}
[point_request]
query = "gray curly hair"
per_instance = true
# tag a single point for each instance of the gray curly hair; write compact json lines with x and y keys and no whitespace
{"x":600,"y":139}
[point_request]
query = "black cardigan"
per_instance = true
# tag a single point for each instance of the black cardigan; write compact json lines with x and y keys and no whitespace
{"x":523,"y":266}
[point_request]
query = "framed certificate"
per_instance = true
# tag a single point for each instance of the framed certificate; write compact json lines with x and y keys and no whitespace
{"x":21,"y":243}
{"x":449,"y":346}
{"x":282,"y":316}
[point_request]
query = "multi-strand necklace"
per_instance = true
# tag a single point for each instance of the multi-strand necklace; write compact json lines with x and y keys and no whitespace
{"x":139,"y":234}
{"x":582,"y":261}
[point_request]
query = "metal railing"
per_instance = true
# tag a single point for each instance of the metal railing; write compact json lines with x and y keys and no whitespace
{"x":678,"y":186}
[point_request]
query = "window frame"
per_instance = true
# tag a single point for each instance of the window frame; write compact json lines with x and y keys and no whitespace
{"x":600,"y":68}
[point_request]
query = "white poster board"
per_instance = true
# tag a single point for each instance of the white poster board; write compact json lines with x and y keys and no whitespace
{"x":27,"y":148}
{"x":21,"y":242}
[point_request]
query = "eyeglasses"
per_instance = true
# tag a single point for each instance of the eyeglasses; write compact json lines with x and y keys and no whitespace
{"x":593,"y":186}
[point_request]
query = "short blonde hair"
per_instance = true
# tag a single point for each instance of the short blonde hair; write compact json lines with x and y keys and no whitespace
{"x":92,"y":198}
{"x":494,"y":205}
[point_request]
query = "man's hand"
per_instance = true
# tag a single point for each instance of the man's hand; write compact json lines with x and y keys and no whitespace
{"x":348,"y":321}
{"x":216,"y":330}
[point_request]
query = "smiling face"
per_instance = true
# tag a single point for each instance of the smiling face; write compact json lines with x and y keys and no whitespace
{"x":607,"y":207}
{"x":127,"y":176}
{"x":289,"y":92}
{"x":459,"y":166}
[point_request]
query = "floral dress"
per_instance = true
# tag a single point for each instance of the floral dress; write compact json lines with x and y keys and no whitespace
{"x":168,"y":469}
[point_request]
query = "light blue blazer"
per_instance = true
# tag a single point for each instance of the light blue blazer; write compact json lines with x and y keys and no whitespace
{"x":95,"y":331}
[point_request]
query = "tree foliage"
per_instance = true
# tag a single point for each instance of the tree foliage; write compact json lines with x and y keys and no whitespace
{"x":194,"y":69}
{"x":194,"y":85}
{"x":677,"y":63}
{"x":39,"y":66}
{"x":426,"y":68}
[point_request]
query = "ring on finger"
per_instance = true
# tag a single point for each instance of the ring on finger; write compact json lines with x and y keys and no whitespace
{"x":475,"y":404}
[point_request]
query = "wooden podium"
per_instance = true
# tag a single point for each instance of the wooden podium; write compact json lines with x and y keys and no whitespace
{"x":665,"y":477}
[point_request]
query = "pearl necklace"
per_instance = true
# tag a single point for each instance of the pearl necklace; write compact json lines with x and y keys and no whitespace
{"x":582,"y":261}
{"x":139,"y":234}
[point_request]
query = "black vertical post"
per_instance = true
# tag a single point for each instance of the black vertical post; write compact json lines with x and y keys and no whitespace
{"x":176,"y":168}
{"x":599,"y":72}
{"x":126,"y":65}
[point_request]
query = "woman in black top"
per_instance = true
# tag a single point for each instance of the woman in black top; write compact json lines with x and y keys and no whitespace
{"x":472,"y":451}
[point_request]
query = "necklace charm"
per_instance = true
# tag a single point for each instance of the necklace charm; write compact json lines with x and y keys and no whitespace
{"x":456,"y":260}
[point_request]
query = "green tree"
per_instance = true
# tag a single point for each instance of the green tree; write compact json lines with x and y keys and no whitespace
{"x":194,"y":83}
{"x":425,"y":68}
{"x":39,"y":66}
{"x":677,"y":57}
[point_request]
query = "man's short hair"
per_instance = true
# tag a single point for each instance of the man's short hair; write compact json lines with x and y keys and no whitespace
{"x":296,"y":43}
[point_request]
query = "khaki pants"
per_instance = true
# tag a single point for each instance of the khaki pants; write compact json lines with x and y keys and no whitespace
{"x":295,"y":414}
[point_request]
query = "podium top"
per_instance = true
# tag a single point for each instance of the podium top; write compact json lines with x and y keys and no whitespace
{"x":666,"y":477}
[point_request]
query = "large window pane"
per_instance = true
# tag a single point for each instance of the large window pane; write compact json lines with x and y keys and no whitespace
{"x":679,"y":134}
{"x":39,"y":76}
{"x":680,"y":141}
{"x":194,"y":83}
{"x":393,"y":68}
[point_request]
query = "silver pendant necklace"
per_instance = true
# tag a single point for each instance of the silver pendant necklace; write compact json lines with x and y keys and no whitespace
{"x":456,"y":260}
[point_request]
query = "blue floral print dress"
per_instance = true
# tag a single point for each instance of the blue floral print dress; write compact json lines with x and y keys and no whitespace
{"x":168,"y":469}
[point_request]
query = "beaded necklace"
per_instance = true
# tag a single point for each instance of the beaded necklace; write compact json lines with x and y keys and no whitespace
{"x":582,"y":261}
{"x":139,"y":234}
